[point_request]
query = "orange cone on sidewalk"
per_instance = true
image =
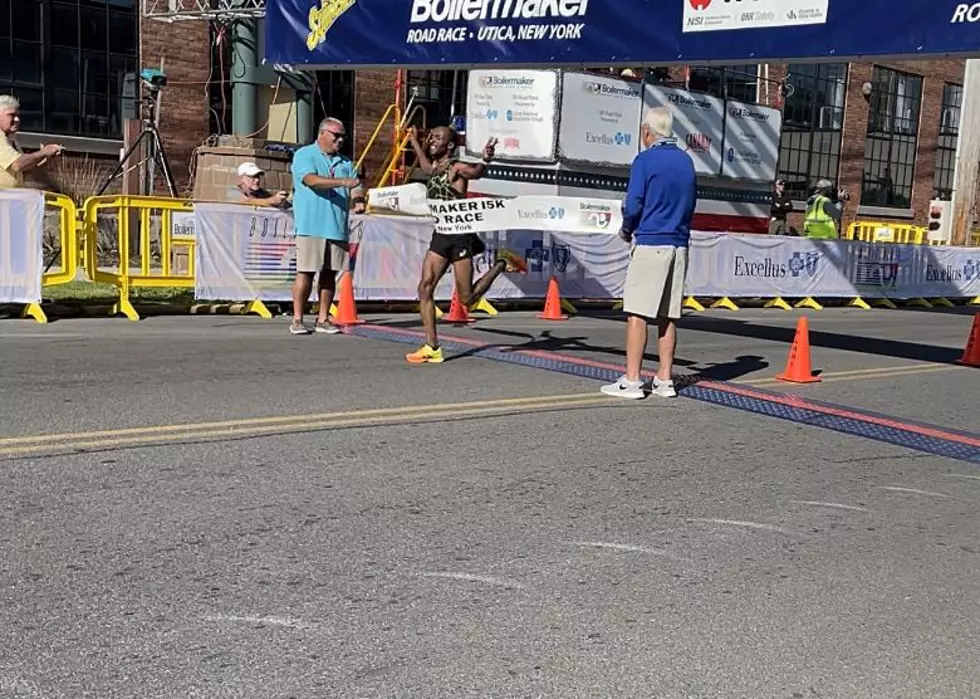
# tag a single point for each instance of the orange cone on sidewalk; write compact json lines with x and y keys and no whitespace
{"x":458,"y":313}
{"x":971,"y":355}
{"x":346,"y":308}
{"x":798,"y":369}
{"x":552,"y":303}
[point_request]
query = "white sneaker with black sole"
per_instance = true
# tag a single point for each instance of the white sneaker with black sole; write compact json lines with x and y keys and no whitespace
{"x":664,"y":389}
{"x":624,"y":388}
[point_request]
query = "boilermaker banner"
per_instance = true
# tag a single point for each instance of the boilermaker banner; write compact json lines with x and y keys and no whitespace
{"x":487,"y":214}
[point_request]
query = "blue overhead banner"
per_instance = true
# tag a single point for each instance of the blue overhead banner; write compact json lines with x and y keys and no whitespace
{"x":466,"y":33}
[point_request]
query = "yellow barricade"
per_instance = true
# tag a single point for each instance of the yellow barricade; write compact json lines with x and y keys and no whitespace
{"x":875,"y":232}
{"x":132,"y":221}
{"x":60,"y":214}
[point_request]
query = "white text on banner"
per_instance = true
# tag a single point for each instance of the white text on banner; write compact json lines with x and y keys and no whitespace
{"x":21,"y":245}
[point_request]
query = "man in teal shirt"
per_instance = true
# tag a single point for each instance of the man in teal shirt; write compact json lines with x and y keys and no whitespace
{"x":325,"y":184}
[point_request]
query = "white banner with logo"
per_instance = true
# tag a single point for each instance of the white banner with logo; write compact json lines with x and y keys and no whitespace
{"x":706,"y":16}
{"x":600,"y":119}
{"x":699,"y":123}
{"x":408,"y":199}
{"x":517,"y":107}
{"x":751,"y":141}
{"x":21,"y":245}
{"x":245,"y":253}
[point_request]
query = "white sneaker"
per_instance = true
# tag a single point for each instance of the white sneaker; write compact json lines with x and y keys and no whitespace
{"x":624,"y":388}
{"x":664,"y":389}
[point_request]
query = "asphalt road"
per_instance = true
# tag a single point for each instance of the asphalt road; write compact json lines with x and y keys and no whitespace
{"x":228,"y":511}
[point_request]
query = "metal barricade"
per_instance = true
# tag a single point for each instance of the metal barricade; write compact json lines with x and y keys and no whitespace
{"x":153,"y":264}
{"x":877,"y":232}
{"x":61,"y":215}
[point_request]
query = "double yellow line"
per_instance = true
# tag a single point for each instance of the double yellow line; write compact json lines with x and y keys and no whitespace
{"x":253,"y":427}
{"x":257,"y":427}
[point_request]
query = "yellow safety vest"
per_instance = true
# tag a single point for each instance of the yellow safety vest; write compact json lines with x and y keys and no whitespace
{"x":817,"y":223}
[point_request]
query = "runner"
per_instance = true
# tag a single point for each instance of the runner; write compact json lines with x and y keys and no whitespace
{"x":449,"y":179}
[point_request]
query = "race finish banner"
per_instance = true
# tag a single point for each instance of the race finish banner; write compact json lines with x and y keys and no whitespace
{"x":21,"y":245}
{"x":522,"y":33}
{"x":486,"y":214}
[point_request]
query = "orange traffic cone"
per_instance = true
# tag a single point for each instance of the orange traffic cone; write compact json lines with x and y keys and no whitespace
{"x":552,"y":303}
{"x":798,"y":369}
{"x":458,"y":313}
{"x":971,"y":355}
{"x":346,"y":308}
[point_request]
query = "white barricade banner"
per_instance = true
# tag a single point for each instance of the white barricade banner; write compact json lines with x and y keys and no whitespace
{"x":244,"y":253}
{"x":21,"y":245}
{"x":248,"y":253}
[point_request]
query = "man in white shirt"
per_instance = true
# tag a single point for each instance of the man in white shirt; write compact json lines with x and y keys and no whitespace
{"x":13,"y":161}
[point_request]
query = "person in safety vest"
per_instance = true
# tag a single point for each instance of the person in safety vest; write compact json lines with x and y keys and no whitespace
{"x":823,"y":211}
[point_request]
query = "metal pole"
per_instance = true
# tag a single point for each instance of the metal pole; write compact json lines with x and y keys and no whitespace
{"x":244,"y":96}
{"x":304,"y":108}
{"x":965,"y":173}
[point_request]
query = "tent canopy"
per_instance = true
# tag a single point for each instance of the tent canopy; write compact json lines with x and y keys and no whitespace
{"x":324,"y":34}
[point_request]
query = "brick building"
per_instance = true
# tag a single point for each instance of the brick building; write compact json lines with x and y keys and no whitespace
{"x":884,"y":131}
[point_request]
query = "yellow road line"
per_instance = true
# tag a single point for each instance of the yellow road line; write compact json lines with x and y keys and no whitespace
{"x":879,"y":372}
{"x":305,"y":424}
{"x":283,"y":419}
{"x":348,"y":418}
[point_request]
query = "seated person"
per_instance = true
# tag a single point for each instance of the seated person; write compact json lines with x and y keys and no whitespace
{"x":252,"y":191}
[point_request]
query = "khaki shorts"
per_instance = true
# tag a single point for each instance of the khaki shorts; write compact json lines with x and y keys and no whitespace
{"x":655,"y":281}
{"x":320,"y":255}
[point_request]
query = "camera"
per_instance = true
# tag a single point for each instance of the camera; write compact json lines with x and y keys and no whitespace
{"x":153,"y":78}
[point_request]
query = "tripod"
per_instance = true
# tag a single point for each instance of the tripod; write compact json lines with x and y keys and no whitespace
{"x":155,"y":153}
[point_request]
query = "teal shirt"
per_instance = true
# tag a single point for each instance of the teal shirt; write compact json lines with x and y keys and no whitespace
{"x":321,"y":213}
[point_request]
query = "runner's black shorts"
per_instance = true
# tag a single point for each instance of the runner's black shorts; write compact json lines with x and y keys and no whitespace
{"x":461,"y":246}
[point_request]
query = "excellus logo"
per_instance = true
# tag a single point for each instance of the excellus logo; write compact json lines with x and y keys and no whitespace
{"x":482,"y":10}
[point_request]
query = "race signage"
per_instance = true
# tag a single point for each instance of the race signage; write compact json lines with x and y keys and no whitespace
{"x":469,"y":215}
{"x":600,"y":119}
{"x":525,"y":33}
{"x":518,"y":108}
{"x":699,"y":124}
{"x":751,"y":142}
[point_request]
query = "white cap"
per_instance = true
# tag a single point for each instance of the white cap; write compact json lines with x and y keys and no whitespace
{"x":249,"y":170}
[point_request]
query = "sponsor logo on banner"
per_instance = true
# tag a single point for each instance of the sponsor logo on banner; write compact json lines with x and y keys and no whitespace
{"x":618,"y":139}
{"x":322,"y":18}
{"x":714,"y":15}
{"x":553,"y":213}
{"x":597,"y":215}
{"x":965,"y":12}
{"x":553,"y":24}
{"x":597,"y":89}
{"x":798,"y":265}
{"x":698,"y":142}
{"x":877,"y":267}
{"x":949,"y":272}
{"x":537,"y":256}
{"x":516,"y":107}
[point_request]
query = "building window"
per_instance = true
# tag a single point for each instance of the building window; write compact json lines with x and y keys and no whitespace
{"x":735,"y":82}
{"x":949,"y":130}
{"x":65,"y":61}
{"x":889,"y":148}
{"x":335,"y":98}
{"x":813,"y":122}
{"x":442,"y":93}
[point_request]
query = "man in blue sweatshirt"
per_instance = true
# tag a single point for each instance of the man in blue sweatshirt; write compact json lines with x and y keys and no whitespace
{"x":657,"y":216}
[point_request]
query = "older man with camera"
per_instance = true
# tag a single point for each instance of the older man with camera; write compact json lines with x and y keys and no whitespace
{"x":824,"y":210}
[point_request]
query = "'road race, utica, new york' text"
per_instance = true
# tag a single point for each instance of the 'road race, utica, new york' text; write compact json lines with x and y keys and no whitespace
{"x":512,"y":13}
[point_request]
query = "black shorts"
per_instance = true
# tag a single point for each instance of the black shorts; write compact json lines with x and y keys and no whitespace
{"x":457,"y":247}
